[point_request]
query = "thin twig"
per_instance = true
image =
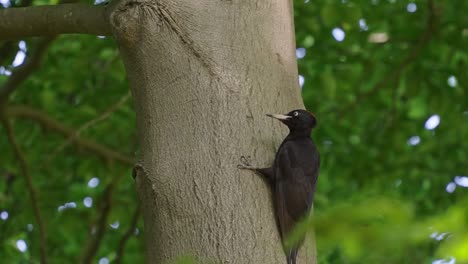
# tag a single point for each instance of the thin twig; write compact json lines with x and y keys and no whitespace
{"x":423,"y":40}
{"x":32,"y":191}
{"x":108,"y":112}
{"x":129,"y":233}
{"x":52,"y":124}
{"x":22,"y":72}
{"x":98,"y":229}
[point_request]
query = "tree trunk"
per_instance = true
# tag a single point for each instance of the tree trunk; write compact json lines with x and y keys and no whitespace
{"x":203,"y":75}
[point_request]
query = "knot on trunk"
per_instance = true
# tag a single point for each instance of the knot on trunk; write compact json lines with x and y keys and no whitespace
{"x":131,"y":19}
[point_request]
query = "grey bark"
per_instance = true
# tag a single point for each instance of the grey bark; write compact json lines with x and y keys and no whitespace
{"x":203,"y":75}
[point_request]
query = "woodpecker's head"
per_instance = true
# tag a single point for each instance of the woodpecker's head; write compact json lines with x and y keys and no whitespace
{"x":297,"y":120}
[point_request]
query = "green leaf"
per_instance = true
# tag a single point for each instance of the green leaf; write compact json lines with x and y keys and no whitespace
{"x":417,"y":108}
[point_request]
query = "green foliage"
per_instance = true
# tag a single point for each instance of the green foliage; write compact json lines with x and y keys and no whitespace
{"x":372,"y":101}
{"x":376,"y":229}
{"x":81,"y":77}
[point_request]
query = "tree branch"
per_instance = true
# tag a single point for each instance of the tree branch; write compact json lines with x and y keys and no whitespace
{"x":53,"y":20}
{"x":48,"y":122}
{"x":32,"y":191}
{"x":98,"y":229}
{"x":22,"y":72}
{"x":130,"y":231}
{"x":90,"y":123}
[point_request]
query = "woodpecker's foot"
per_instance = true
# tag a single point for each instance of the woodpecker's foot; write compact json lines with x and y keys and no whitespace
{"x":245,"y":163}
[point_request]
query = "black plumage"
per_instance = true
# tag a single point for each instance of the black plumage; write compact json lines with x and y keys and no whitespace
{"x":293,"y":175}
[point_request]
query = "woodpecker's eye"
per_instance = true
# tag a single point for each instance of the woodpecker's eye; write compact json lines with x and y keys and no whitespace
{"x":296,"y":113}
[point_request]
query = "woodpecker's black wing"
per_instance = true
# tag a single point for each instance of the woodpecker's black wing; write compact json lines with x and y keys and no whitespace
{"x":296,"y":170}
{"x":297,"y":167}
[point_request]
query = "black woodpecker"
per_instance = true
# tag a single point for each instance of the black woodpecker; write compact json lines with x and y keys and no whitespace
{"x":293,"y":175}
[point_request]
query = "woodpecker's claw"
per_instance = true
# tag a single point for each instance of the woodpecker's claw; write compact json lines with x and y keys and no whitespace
{"x":245,"y":160}
{"x":245,"y":163}
{"x":242,"y":167}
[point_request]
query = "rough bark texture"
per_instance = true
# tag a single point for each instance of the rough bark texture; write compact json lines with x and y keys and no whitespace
{"x":203,"y":75}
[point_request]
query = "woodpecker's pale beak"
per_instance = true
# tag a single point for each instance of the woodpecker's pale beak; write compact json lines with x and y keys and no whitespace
{"x":280,"y":117}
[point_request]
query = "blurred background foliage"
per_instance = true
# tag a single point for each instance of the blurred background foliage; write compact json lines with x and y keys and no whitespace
{"x":386,"y":78}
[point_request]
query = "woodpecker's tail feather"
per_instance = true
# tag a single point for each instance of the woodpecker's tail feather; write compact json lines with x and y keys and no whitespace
{"x":292,"y":256}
